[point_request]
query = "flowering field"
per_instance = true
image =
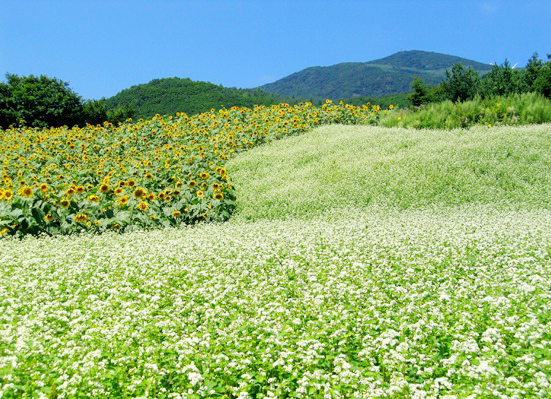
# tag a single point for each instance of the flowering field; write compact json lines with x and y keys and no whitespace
{"x":378,"y":285}
{"x":449,"y":303}
{"x":153,"y":173}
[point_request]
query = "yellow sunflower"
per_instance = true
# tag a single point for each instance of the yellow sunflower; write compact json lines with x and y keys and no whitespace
{"x":8,"y":195}
{"x":123,"y":200}
{"x":104,"y":188}
{"x":176,"y":213}
{"x":142,"y":206}
{"x":81,"y":218}
{"x":140,"y":193}
{"x":26,"y":191}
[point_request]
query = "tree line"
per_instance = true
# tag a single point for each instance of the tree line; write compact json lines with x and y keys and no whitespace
{"x":40,"y":101}
{"x":463,"y":84}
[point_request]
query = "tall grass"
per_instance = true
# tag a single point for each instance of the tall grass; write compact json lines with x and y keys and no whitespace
{"x":520,"y":109}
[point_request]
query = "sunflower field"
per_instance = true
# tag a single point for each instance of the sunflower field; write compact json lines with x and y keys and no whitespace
{"x":161,"y":172}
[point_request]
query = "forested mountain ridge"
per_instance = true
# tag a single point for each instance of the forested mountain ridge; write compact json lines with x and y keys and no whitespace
{"x":171,"y":95}
{"x":390,"y":75}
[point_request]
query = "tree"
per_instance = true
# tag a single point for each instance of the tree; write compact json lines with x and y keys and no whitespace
{"x":460,"y":84}
{"x":96,"y":112}
{"x":39,"y":102}
{"x":542,"y":84}
{"x":503,"y":80}
{"x":421,"y":92}
{"x":533,"y":69}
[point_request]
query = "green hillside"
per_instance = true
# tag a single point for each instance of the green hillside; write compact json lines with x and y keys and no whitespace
{"x":171,"y":95}
{"x":382,"y":77}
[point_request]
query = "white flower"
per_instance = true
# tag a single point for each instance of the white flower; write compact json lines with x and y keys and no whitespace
{"x":195,"y":378}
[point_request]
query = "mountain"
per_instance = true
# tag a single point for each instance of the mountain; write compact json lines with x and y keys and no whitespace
{"x":386,"y":76}
{"x":170,"y":95}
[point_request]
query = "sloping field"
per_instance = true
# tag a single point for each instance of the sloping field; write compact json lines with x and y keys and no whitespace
{"x":354,"y":166}
{"x":363,"y":263}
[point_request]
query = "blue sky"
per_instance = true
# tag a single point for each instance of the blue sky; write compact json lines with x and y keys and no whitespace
{"x":101,"y":47}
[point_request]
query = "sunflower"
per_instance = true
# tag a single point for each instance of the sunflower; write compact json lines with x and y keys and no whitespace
{"x":119,"y":191}
{"x":218,"y":195}
{"x":131,"y":182}
{"x":80,"y":189}
{"x":65,"y":203}
{"x":142,"y":206}
{"x":140,"y":193}
{"x":200,"y":194}
{"x":176,"y":213}
{"x":8,"y":195}
{"x":204,"y":175}
{"x":3,"y":231}
{"x":93,"y":198}
{"x":44,"y":187}
{"x":81,"y":218}
{"x":71,"y":190}
{"x":26,"y":191}
{"x":179,"y":184}
{"x":123,"y":200}
{"x":148,"y":176}
{"x":104,"y":188}
{"x":151,"y":197}
{"x":49,"y":217}
{"x":122,"y":183}
{"x":192,"y":184}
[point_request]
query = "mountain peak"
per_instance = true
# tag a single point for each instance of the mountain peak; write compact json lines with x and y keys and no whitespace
{"x":385,"y":76}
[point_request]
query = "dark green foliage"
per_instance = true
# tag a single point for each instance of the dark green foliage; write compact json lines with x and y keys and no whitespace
{"x":48,"y":102}
{"x":38,"y":101}
{"x":461,"y":84}
{"x":390,"y":75}
{"x":171,"y":95}
{"x":397,"y":100}
{"x":533,"y":69}
{"x":542,"y":83}
{"x":96,"y":112}
{"x":428,"y":61}
{"x":421,"y":92}
{"x":503,"y":80}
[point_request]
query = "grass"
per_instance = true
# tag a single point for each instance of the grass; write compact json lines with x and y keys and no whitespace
{"x":520,"y":109}
{"x":362,"y":263}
